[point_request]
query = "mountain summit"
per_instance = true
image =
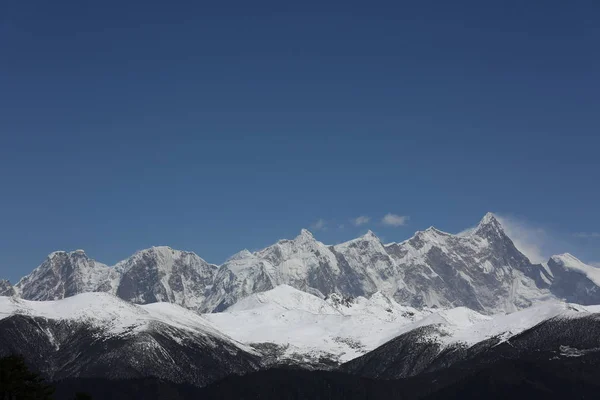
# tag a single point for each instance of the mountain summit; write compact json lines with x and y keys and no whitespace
{"x":65,"y":274}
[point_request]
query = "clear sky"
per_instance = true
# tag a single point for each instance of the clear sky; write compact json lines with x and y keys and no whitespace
{"x":218,"y":126}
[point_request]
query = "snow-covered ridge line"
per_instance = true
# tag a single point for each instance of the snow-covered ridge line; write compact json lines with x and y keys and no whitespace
{"x":113,"y":315}
{"x":305,"y":325}
{"x":304,"y":233}
{"x":570,"y":262}
{"x":482,"y":270}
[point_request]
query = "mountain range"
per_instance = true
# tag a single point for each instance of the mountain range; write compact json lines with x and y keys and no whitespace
{"x":481,"y":269}
{"x":437,"y":307}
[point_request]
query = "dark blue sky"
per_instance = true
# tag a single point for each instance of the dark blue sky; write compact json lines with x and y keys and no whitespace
{"x":214,"y":127}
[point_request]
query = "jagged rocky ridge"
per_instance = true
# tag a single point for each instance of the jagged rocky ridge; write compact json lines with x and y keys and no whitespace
{"x":482,"y":270}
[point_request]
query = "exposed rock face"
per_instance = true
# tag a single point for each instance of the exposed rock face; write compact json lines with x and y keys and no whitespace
{"x":66,"y":274}
{"x":304,"y":262}
{"x":6,"y":289}
{"x":240,"y":276}
{"x":152,"y":275}
{"x":162,"y":274}
{"x":482,"y":270}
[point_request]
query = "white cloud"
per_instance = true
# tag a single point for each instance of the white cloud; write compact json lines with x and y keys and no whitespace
{"x":394,"y":220}
{"x":363,"y":219}
{"x":466,"y":232}
{"x":319,"y":225}
{"x":587,"y":235}
{"x":528,"y":239}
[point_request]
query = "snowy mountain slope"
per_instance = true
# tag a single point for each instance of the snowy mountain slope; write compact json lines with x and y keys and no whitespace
{"x":556,"y":359}
{"x":240,"y":276}
{"x":65,"y":274}
{"x":378,"y":305}
{"x":116,"y":317}
{"x":285,"y":297}
{"x":98,"y":335}
{"x":462,"y":325}
{"x":308,"y":327}
{"x":162,"y":274}
{"x":573,"y":280}
{"x":453,"y":336}
{"x":571,"y":263}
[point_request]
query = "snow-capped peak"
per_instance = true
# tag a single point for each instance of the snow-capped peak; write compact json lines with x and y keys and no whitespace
{"x":160,"y":250}
{"x":566,"y":258}
{"x":433,"y":268}
{"x":284,"y":297}
{"x":572,"y":263}
{"x":430,"y":235}
{"x":370,"y":235}
{"x":489,"y":218}
{"x":305,"y":234}
{"x":161,"y":273}
{"x":241,"y":255}
{"x":63,"y":253}
{"x":102,"y":309}
{"x":489,"y":224}
{"x":435,"y":231}
{"x":370,"y":238}
{"x":163,"y":256}
{"x":65,"y":274}
{"x":77,"y":252}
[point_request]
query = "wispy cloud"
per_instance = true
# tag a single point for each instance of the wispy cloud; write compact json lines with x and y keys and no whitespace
{"x":319,"y":225}
{"x":539,"y":242}
{"x":529,"y":239}
{"x":595,"y":264}
{"x":587,"y":235}
{"x":394,"y":220}
{"x":362,"y":220}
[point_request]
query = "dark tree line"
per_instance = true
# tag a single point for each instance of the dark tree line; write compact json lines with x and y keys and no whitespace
{"x":18,"y":382}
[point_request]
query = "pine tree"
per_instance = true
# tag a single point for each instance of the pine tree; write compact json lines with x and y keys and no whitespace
{"x":17,"y":382}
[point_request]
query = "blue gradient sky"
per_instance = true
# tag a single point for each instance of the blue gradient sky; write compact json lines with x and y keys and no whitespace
{"x":218,"y":127}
